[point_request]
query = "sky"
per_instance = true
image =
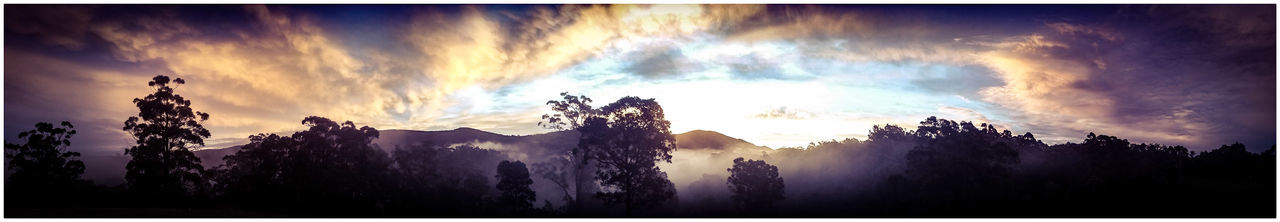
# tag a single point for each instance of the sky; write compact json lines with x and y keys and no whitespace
{"x":775,"y":75}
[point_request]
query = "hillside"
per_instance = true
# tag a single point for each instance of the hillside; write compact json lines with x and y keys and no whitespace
{"x":520,"y":147}
{"x":702,"y":139}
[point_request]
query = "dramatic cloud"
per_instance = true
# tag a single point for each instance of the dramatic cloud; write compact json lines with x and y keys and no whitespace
{"x":777,"y":75}
{"x":1169,"y":78}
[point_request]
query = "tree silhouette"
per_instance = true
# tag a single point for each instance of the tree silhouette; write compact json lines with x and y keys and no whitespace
{"x":165,"y":129}
{"x":959,"y":163}
{"x":1107,"y":176}
{"x":1226,"y":161}
{"x":251,"y":176}
{"x":42,"y":167}
{"x":628,"y":139}
{"x":513,"y":181}
{"x":329,"y":168}
{"x":444,"y":181}
{"x":889,"y":133}
{"x":558,"y":169}
{"x":755,"y":186}
{"x":571,"y":113}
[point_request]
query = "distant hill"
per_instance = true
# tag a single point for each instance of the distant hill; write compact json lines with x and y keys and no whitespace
{"x":702,"y":139}
{"x":389,"y":140}
{"x":519,"y":147}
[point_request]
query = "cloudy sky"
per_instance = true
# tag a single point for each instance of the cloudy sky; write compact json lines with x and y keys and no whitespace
{"x":776,"y":75}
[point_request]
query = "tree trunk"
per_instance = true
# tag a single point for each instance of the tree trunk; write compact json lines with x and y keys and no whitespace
{"x":579,"y":186}
{"x":577,"y":189}
{"x":629,"y":189}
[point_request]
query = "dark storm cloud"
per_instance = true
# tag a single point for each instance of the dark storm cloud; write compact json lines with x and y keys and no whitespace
{"x":1206,"y":73}
{"x":65,"y":26}
{"x":1200,"y":75}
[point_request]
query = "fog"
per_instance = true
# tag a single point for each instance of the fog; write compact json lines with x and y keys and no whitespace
{"x":957,"y":170}
{"x":817,"y":172}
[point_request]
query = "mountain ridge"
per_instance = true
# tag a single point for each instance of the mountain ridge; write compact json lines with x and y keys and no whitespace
{"x":532,"y":144}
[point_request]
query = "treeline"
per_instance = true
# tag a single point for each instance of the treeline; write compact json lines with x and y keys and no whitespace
{"x":945,"y":168}
{"x":942,"y":168}
{"x":333,"y":169}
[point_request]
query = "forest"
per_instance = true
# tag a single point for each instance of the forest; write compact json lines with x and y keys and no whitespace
{"x":621,"y":160}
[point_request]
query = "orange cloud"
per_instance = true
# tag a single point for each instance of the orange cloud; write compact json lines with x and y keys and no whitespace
{"x":266,"y":75}
{"x":285,"y":64}
{"x":1044,"y":88}
{"x":475,"y":50}
{"x":259,"y":82}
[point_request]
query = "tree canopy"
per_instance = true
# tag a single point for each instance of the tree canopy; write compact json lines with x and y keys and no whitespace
{"x":330,"y":166}
{"x":165,"y":130}
{"x":514,"y":181}
{"x":43,"y":169}
{"x":571,"y":168}
{"x":755,"y":186}
{"x":629,"y":137}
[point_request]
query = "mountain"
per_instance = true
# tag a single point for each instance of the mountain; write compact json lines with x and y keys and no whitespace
{"x":702,"y":139}
{"x":518,"y":147}
{"x":392,"y":138}
{"x":526,"y":147}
